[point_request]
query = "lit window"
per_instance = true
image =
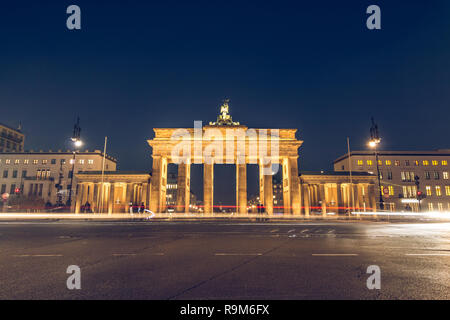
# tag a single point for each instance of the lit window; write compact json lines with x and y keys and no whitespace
{"x":81,"y":161}
{"x":434,"y":162}
{"x":369,"y":162}
{"x":447,"y":190}
{"x":90,"y":161}
{"x":402,"y":174}
{"x":428,"y":188}
{"x":360,"y":162}
{"x":445,"y":175}
{"x":444,"y":162}
{"x":380,"y":163}
{"x":44,"y":161}
{"x":391,"y":190}
{"x":425,"y":162}
{"x":26,"y":161}
{"x":7,"y":161}
{"x":17,"y":161}
{"x":416,"y":163}
{"x":440,"y":206}
{"x":388,"y":162}
{"x":438,"y":191}
{"x":35,"y":161}
{"x":397,"y":163}
{"x":430,"y":206}
{"x":72,"y":161}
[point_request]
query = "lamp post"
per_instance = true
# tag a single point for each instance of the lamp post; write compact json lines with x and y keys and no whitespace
{"x":77,"y":143}
{"x":373,"y":143}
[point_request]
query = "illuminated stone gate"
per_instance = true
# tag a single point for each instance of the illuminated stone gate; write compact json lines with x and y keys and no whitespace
{"x":225,"y":142}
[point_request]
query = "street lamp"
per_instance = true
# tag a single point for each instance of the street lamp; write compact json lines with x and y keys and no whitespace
{"x":373,"y":143}
{"x":77,"y":143}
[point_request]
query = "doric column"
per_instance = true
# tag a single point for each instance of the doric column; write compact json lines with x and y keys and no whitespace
{"x":111,"y":198}
{"x":371,"y":195}
{"x":285,"y":175}
{"x":183,"y":191}
{"x":267,"y":190}
{"x":145,"y":194}
{"x":91,"y":194}
{"x":322,"y":198}
{"x":294,"y":184}
{"x":95,"y":204}
{"x":158,"y":184}
{"x":241,"y":188}
{"x":356,"y":197}
{"x":78,"y":197}
{"x":338,"y":198}
{"x":129,"y":196}
{"x":306,"y":199}
{"x":208,"y":187}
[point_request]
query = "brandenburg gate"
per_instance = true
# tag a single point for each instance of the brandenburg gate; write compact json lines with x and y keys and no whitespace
{"x":225,"y":142}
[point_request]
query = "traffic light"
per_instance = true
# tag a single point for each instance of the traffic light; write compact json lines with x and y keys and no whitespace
{"x":421,"y":195}
{"x":17,"y":190}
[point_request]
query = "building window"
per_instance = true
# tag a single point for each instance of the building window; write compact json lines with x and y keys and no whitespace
{"x":444,"y":162}
{"x":81,"y":161}
{"x":12,"y":189}
{"x":24,"y":173}
{"x":428,"y":188}
{"x":369,"y":162}
{"x":72,"y":161}
{"x":90,"y":161}
{"x":17,"y":161}
{"x":434,"y":162}
{"x":5,"y":174}
{"x":416,"y":163}
{"x":445,"y":175}
{"x":3,"y":189}
{"x":26,"y":161}
{"x":397,"y":162}
{"x":427,"y":175}
{"x":391,"y":190}
{"x":388,"y":162}
{"x":447,"y":190}
{"x":436,"y":175}
{"x":389,"y":175}
{"x":63,"y":161}
{"x":438,"y":191}
{"x":403,"y":175}
{"x":35,"y":161}
{"x":7,"y":161}
{"x":14,"y":175}
{"x":380,"y":163}
{"x":44,"y":161}
{"x":430,"y":206}
{"x":425,"y":162}
{"x":53,"y":161}
{"x":440,"y":207}
{"x":360,"y":162}
{"x":407,"y":163}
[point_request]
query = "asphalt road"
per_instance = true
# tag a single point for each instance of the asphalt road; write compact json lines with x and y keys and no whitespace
{"x":224,"y":260}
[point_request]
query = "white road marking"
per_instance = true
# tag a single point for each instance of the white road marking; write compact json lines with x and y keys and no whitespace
{"x":303,"y":231}
{"x":123,"y":254}
{"x":427,"y":254}
{"x":274,"y":230}
{"x":334,"y":254}
{"x":292,"y":230}
{"x":238,"y":254}
{"x":37,"y":255}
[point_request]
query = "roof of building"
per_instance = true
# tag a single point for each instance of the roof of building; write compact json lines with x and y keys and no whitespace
{"x":59,"y":152}
{"x":11,"y":128}
{"x":115,"y":172}
{"x":335,"y":173}
{"x":439,"y":152}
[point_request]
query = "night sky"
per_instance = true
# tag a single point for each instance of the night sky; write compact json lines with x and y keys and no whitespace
{"x":311,"y":65}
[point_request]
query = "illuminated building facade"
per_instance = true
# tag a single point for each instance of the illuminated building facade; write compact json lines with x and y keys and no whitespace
{"x":11,"y":140}
{"x":398,"y":170}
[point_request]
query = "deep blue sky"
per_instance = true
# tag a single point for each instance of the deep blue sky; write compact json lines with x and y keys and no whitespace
{"x":310,"y":65}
